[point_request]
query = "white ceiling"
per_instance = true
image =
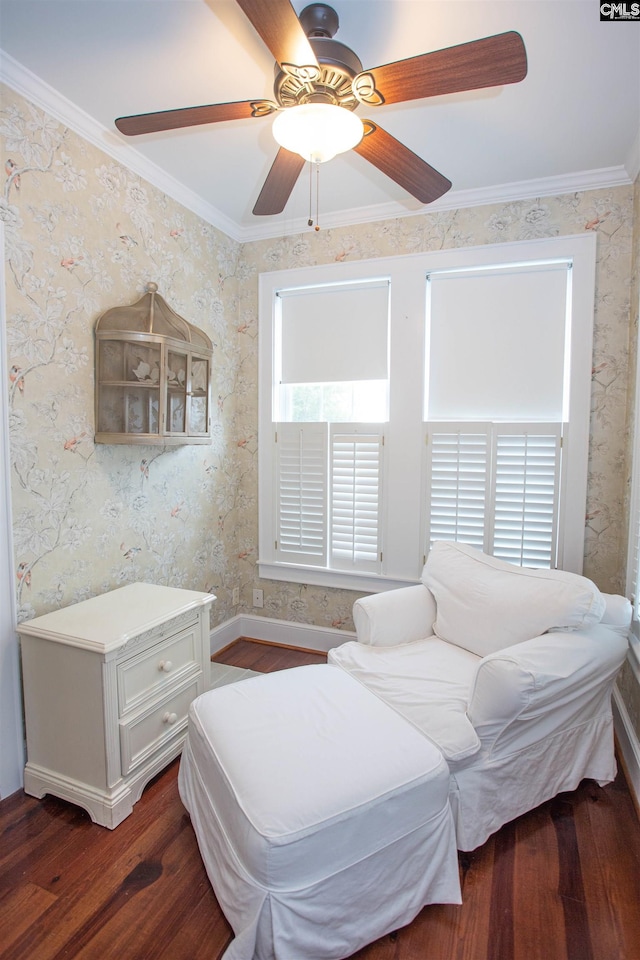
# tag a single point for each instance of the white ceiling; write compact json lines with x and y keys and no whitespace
{"x":573,"y":122}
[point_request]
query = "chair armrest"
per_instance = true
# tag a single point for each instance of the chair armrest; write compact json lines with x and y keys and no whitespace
{"x":395,"y":616}
{"x":617,"y":612}
{"x":530,"y":690}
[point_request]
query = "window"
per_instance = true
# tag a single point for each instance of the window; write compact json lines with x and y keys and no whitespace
{"x":441,"y":395}
{"x":497,"y":341}
{"x":330,"y":376}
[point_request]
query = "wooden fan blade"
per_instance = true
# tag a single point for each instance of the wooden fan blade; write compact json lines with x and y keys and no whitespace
{"x":489,"y":62}
{"x":401,"y":164}
{"x":280,"y":181}
{"x":277,"y":23}
{"x":192,"y":116}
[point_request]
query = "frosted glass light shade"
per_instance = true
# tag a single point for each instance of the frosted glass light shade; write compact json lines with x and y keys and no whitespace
{"x":317,"y":131}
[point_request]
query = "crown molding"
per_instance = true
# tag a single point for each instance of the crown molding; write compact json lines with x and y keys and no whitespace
{"x":453,"y":200}
{"x":26,"y":83}
{"x":30,"y":86}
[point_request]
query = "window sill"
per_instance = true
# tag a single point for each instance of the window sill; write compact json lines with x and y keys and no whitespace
{"x":323,"y":577}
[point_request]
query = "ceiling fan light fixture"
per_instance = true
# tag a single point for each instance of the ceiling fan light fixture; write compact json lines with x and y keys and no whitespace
{"x":317,"y":131}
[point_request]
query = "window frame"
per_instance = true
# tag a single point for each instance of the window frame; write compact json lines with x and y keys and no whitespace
{"x":633,"y":536}
{"x":402,"y":513}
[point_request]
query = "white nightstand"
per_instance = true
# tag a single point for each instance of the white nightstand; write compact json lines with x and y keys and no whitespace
{"x":107,"y":686}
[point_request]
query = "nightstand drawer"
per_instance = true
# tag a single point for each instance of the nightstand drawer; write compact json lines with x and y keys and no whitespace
{"x":146,"y":674}
{"x":148,"y":731}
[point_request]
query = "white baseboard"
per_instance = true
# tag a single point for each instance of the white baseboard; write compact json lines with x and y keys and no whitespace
{"x":628,"y":744}
{"x":305,"y":635}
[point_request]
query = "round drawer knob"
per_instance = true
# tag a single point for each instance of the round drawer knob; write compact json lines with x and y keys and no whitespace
{"x":170,"y":717}
{"x":165,"y":665}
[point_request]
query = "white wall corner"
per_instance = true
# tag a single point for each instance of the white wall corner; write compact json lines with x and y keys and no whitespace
{"x":628,"y":744}
{"x":633,"y":160}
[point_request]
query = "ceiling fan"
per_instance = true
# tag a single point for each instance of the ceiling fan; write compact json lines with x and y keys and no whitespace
{"x":313,"y":68}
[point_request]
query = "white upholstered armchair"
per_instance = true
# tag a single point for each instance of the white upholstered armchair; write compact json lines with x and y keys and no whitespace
{"x":507,"y":670}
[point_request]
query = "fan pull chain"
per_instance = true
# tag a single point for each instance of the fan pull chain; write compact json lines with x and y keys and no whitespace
{"x":310,"y":220}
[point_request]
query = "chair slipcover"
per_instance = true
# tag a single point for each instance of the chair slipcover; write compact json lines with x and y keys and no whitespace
{"x":321,"y":815}
{"x":456,"y":656}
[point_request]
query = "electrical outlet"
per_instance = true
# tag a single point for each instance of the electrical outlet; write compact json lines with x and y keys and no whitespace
{"x":235,"y":596}
{"x":258,"y":598}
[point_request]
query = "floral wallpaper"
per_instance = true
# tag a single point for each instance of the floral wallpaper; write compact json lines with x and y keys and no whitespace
{"x":83,"y":233}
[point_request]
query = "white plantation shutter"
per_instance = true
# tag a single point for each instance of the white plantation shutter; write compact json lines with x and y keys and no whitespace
{"x":328,"y":499}
{"x":527,"y":473}
{"x":301,"y":499}
{"x":356,"y":470}
{"x":457,"y":479}
{"x":496,"y":487}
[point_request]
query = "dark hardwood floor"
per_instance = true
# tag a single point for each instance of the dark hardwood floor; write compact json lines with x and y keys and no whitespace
{"x":561,"y":883}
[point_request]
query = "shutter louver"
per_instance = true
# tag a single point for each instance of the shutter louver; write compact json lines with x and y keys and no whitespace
{"x":355,"y":501}
{"x":459,"y":471}
{"x":526,"y":492}
{"x":301,"y":500}
{"x":496,"y":487}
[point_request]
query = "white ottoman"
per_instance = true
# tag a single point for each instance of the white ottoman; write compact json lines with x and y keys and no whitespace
{"x":322,"y":816}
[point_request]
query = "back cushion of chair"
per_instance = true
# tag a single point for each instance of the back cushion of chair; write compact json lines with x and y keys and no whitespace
{"x":484,"y":604}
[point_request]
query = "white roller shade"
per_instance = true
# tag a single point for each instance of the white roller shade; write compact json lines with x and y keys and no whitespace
{"x":497,"y":343}
{"x":334,"y":333}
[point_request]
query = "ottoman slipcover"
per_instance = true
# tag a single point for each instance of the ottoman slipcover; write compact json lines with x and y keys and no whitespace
{"x":321,"y":815}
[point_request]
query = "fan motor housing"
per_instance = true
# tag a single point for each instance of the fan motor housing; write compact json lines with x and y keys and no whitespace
{"x":298,"y":83}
